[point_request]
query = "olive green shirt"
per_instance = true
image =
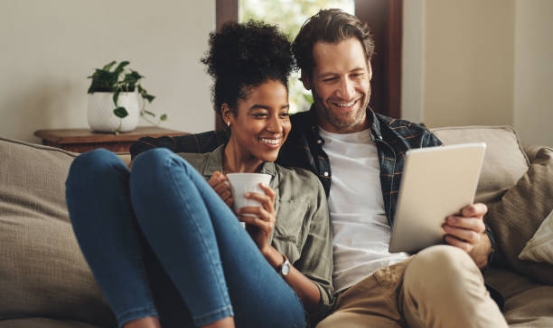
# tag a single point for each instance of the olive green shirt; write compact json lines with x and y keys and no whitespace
{"x":302,"y":229}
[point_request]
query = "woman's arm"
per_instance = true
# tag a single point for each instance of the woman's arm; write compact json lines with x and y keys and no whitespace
{"x":261,"y":228}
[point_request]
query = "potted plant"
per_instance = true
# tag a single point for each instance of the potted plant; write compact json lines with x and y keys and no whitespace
{"x":117,"y":99}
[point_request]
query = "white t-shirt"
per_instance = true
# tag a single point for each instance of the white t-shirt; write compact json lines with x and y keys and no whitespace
{"x":360,"y":227}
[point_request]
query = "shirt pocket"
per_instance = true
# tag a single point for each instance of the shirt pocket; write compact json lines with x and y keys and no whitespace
{"x":290,"y":228}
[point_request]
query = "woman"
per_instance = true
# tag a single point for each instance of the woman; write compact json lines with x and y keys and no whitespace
{"x":164,"y":245}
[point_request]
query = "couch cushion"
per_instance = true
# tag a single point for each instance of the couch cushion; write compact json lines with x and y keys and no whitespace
{"x":540,"y":247}
{"x":504,"y":163}
{"x":43,"y":323}
{"x":527,"y":303}
{"x":520,"y":212}
{"x":43,"y":273}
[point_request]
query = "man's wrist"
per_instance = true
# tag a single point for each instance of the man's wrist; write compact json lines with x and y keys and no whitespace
{"x":491,"y":254}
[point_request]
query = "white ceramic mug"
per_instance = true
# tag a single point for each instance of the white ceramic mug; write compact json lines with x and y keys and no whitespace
{"x":241,"y":183}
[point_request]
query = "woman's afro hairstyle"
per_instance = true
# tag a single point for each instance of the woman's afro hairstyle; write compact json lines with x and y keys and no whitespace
{"x":242,"y":56}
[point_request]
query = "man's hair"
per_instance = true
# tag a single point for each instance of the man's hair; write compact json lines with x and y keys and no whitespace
{"x":331,"y":26}
{"x":242,"y":56}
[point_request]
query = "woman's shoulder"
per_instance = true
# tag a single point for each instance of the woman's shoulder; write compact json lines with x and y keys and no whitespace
{"x":298,"y":181}
{"x":296,"y":173}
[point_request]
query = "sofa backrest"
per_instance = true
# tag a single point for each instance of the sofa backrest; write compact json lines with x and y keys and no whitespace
{"x":42,"y":271}
{"x":505,"y":160}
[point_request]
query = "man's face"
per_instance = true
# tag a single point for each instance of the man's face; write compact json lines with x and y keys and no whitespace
{"x":340,"y":84}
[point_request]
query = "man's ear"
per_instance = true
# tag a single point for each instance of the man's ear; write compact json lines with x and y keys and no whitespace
{"x":370,"y":67}
{"x":305,"y":80}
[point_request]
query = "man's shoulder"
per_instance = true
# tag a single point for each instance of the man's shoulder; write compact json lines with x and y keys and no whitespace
{"x":396,"y":123}
{"x":406,"y":132}
{"x":190,"y":143}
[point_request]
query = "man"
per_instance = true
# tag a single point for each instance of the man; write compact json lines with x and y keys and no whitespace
{"x":441,"y":286}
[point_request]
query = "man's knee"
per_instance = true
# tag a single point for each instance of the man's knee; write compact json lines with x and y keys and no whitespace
{"x":440,"y":269}
{"x":357,"y":320}
{"x":444,"y":259}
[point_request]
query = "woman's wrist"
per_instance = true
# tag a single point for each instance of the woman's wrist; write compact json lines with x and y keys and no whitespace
{"x":274,"y":257}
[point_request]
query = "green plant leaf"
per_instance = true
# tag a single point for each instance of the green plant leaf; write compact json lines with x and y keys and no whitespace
{"x":148,"y":97}
{"x":120,"y":112}
{"x":119,"y":69}
{"x":116,"y":97}
{"x":108,"y":66}
{"x":149,"y":113}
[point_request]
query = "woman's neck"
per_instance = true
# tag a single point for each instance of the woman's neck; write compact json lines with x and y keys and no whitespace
{"x":235,"y":161}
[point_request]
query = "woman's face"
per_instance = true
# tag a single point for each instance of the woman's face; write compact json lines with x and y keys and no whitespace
{"x":261,"y":124}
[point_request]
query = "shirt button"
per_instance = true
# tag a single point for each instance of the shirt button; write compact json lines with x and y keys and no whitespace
{"x":325,"y":174}
{"x":319,"y":141}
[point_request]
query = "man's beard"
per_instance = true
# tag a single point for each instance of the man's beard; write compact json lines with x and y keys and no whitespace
{"x":342,"y":124}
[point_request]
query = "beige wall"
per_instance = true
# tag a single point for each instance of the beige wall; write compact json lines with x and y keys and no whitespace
{"x":475,"y":62}
{"x":465,"y":62}
{"x":533,"y":98}
{"x":49,"y":47}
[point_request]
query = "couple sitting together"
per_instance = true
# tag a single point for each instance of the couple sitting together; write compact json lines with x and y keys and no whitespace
{"x":168,"y":250}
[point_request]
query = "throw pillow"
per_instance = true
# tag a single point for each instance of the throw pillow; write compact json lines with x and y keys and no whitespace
{"x":518,"y":215}
{"x":540,"y":247}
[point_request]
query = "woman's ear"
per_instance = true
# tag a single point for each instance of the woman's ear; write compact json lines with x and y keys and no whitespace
{"x":226,"y":114}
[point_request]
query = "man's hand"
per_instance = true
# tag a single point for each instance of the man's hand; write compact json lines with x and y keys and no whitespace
{"x":468,"y":232}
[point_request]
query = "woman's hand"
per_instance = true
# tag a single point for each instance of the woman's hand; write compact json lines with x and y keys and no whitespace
{"x":219,"y":183}
{"x":261,"y":221}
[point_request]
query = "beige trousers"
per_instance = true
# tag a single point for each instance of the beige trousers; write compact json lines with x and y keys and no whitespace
{"x":439,"y":287}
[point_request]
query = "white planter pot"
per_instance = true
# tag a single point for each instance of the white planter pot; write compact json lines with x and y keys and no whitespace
{"x":100,"y":112}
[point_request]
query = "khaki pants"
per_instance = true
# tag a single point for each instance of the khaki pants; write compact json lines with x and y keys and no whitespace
{"x":439,"y":287}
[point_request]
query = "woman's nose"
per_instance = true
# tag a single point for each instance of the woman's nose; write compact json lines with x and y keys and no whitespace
{"x":275,"y":125}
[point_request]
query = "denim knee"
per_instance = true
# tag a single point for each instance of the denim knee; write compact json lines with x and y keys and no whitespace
{"x":95,"y":160}
{"x":150,"y":159}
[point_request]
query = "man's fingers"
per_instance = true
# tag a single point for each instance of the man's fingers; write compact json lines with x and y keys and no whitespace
{"x":474,"y":210}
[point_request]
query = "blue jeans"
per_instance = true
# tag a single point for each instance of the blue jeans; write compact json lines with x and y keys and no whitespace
{"x":161,"y":242}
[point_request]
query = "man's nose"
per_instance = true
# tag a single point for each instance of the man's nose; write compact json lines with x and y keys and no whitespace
{"x":346,"y":89}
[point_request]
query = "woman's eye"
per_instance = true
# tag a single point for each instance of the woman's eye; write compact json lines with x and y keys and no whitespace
{"x":259,"y":115}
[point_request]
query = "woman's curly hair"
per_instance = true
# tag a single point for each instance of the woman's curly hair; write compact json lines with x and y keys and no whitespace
{"x":242,"y":56}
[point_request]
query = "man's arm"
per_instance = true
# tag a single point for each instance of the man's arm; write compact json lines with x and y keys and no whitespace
{"x":468,"y":232}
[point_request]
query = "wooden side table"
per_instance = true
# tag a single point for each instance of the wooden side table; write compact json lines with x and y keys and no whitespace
{"x":81,"y":140}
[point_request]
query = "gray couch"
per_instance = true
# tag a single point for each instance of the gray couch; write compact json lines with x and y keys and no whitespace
{"x":45,"y":282}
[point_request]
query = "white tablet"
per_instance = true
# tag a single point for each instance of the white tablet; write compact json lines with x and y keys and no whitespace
{"x":436,"y":182}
